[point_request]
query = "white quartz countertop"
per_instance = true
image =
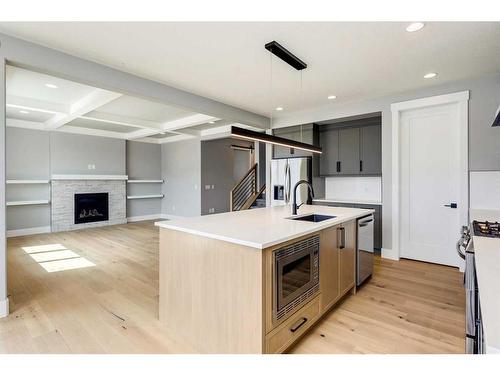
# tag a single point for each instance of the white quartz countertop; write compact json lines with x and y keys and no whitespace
{"x":262,"y":227}
{"x":487,"y":259}
{"x":352,"y":201}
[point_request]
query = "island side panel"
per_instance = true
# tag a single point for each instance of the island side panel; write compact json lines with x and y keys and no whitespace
{"x":211,"y":293}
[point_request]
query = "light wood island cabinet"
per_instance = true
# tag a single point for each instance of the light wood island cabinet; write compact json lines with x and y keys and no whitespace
{"x":218,"y":297}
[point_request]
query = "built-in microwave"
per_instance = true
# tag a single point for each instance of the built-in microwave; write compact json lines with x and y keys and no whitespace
{"x":296,"y":276}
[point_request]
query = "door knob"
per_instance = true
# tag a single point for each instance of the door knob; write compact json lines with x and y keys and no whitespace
{"x":451,"y":205}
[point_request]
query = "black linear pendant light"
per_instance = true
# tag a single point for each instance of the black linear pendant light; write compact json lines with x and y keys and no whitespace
{"x":288,"y":57}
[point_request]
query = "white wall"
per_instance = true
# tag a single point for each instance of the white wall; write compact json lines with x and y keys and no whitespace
{"x":367,"y":189}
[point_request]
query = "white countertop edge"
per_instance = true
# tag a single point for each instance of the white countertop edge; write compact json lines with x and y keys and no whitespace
{"x":353,"y":201}
{"x":317,"y":227}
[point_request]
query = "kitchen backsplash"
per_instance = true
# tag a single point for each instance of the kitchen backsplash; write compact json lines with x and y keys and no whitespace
{"x":484,"y":190}
{"x":354,"y":188}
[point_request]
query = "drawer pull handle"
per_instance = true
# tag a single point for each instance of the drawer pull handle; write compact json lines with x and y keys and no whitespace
{"x":302,"y":322}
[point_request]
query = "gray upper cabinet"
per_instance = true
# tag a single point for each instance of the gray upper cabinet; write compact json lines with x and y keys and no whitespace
{"x":349,"y":151}
{"x":371,"y":150}
{"x":329,"y":158}
{"x":295,"y":133}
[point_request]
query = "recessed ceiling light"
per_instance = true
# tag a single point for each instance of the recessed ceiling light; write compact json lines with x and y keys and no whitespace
{"x":211,"y":122}
{"x":415,"y":26}
{"x":279,"y":108}
{"x":430,"y":75}
{"x":23,"y":112}
{"x":51,"y":86}
{"x":331,"y":97}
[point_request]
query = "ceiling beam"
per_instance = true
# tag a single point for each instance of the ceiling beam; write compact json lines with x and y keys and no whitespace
{"x":176,"y":138}
{"x":141,"y":133}
{"x":16,"y":123}
{"x":121,"y":120}
{"x":93,"y":132}
{"x":97,"y":98}
{"x":35,"y":105}
{"x":186,"y":122}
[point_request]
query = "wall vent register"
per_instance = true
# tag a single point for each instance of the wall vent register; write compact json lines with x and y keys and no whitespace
{"x":91,"y":207}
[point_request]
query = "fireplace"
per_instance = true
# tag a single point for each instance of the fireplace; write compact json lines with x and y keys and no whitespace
{"x":91,"y":207}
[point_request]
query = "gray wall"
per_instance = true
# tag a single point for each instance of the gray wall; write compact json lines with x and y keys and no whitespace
{"x":36,"y":155}
{"x":484,"y":141}
{"x":27,"y":159}
{"x":72,"y":153}
{"x":217,"y":161}
{"x":143,"y":163}
{"x":181,"y":170}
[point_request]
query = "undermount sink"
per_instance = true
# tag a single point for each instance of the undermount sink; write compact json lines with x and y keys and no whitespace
{"x":315,"y":218}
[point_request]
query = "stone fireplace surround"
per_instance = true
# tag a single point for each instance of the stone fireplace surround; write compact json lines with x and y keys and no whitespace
{"x":64,"y":188}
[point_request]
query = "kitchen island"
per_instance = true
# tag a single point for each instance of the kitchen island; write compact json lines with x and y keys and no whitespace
{"x":254,"y":281}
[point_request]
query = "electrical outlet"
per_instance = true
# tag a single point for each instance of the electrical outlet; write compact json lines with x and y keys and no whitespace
{"x":213,"y":187}
{"x":211,"y":210}
{"x":207,"y":187}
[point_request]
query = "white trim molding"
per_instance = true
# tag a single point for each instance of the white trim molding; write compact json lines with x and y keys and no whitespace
{"x":89,"y":177}
{"x":4,"y":308}
{"x":28,"y":231}
{"x":133,"y":219}
{"x":461,"y":98}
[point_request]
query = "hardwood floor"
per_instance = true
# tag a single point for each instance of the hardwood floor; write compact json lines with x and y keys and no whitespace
{"x":110,"y":303}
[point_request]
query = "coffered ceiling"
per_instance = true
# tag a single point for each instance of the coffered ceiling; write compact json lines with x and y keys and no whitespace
{"x":43,"y":102}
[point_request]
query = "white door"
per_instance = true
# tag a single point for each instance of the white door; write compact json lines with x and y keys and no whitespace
{"x":431,"y":171}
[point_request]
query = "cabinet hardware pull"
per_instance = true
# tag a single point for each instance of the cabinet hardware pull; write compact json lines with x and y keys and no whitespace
{"x":366,"y":221}
{"x":361,"y":165}
{"x":342,"y":237}
{"x":451,"y":205}
{"x":295,"y":328}
{"x":338,"y":166}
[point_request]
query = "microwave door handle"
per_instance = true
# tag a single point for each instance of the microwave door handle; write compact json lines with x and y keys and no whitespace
{"x":365,"y":222}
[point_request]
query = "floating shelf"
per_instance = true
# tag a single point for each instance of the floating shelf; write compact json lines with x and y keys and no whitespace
{"x":144,"y":196}
{"x":19,"y":182}
{"x":27,"y":203}
{"x":89,"y":177}
{"x":145,"y":181}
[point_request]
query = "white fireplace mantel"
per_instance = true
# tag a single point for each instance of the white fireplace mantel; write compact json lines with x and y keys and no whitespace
{"x":89,"y":177}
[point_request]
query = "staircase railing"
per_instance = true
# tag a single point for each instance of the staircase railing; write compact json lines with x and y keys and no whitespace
{"x":244,"y":190}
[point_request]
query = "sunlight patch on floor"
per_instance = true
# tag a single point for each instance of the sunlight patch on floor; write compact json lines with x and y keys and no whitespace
{"x":43,"y":248}
{"x":66,"y":264}
{"x":56,"y":257}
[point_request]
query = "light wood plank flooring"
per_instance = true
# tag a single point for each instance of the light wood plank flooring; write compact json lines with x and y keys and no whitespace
{"x":112,"y":307}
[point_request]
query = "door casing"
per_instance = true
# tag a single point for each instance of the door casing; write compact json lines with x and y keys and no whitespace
{"x":460,"y":98}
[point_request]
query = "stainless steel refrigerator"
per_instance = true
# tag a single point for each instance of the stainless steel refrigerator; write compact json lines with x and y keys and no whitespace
{"x":285,"y":173}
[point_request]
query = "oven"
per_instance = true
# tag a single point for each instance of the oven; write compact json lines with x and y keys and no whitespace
{"x":296,"y":276}
{"x":473,"y":320}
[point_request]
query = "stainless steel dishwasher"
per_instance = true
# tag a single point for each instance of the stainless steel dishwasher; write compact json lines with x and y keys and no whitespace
{"x":364,"y":251}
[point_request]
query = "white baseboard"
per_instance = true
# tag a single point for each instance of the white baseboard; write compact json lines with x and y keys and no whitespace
{"x":4,"y":308}
{"x":390,"y":254}
{"x":27,"y":231}
{"x":144,"y":217}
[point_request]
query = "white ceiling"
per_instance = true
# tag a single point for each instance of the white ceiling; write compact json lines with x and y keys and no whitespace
{"x":228,"y":62}
{"x":76,"y":108}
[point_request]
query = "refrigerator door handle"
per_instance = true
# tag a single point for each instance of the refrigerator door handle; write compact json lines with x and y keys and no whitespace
{"x":287,"y":183}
